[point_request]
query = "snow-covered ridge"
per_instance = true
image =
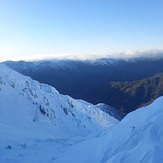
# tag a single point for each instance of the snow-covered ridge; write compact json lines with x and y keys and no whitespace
{"x":57,"y":63}
{"x":32,"y":114}
{"x":137,"y":138}
{"x":25,"y":102}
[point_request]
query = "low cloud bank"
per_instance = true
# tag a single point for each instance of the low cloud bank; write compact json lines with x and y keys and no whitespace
{"x":129,"y":54}
{"x":153,"y":54}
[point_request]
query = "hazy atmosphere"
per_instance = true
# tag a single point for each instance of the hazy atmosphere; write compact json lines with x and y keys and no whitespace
{"x":81,"y":28}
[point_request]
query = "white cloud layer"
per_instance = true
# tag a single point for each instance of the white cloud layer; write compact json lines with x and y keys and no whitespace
{"x":129,"y":54}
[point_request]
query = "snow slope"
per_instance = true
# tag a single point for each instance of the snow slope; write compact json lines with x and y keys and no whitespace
{"x":40,"y":125}
{"x":137,"y":138}
{"x":32,"y":113}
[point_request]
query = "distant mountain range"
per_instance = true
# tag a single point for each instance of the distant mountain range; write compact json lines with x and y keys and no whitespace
{"x":123,"y":84}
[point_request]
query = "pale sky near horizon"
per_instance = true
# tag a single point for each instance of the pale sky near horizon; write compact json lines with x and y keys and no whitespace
{"x":79,"y":27}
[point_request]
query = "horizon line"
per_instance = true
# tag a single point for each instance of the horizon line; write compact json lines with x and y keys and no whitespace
{"x":128,"y":54}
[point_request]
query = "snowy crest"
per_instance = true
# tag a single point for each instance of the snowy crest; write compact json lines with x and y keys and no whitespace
{"x":25,"y":103}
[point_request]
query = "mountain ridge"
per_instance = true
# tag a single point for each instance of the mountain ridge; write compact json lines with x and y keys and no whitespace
{"x":89,"y":80}
{"x":43,"y":104}
{"x":135,"y":94}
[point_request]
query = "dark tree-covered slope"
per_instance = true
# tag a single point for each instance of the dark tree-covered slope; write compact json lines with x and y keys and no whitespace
{"x":127,"y":96}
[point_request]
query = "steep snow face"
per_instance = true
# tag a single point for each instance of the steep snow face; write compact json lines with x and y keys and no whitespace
{"x":37,"y":124}
{"x":27,"y":105}
{"x":137,"y":138}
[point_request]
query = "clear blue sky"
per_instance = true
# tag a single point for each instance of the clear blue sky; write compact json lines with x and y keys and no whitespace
{"x":43,"y":27}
